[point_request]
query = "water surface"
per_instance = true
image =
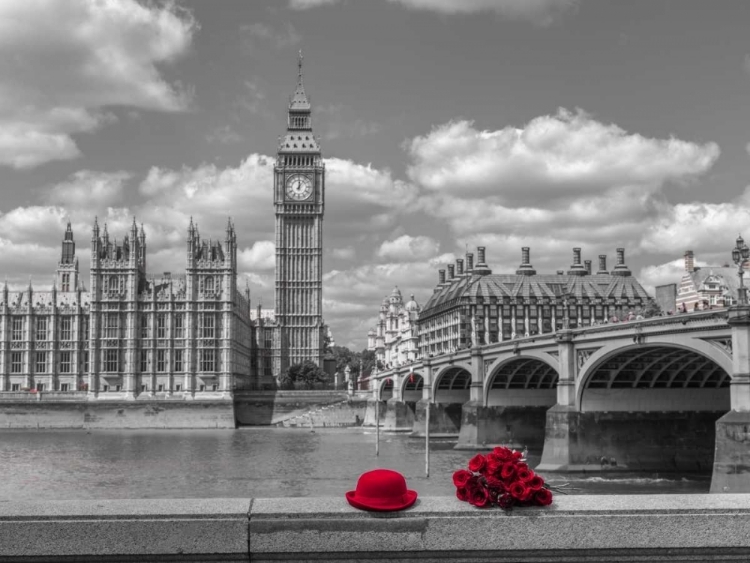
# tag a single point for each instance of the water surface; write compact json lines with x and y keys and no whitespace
{"x":253,"y":462}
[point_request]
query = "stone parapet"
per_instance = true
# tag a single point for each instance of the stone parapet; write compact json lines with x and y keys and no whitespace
{"x":575,"y":528}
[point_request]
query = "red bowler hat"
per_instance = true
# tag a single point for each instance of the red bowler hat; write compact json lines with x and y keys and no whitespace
{"x":382,"y":490}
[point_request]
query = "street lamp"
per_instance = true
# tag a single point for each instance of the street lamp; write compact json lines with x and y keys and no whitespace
{"x":740,"y":254}
{"x":566,"y":311}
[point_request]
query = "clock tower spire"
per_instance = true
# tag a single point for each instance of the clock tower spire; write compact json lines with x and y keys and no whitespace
{"x":299,"y":190}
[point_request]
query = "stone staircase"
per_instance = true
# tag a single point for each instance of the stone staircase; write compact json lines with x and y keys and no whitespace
{"x":334,"y":415}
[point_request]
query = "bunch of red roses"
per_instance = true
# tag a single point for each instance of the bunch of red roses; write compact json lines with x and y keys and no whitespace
{"x":501,"y":478}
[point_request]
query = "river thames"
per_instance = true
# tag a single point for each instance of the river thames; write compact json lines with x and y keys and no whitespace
{"x":253,"y":462}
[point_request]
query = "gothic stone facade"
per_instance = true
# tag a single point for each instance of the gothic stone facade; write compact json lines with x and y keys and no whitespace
{"x":395,"y":339}
{"x":133,"y":335}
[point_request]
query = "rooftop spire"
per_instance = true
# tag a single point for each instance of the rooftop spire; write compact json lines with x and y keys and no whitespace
{"x":299,"y":101}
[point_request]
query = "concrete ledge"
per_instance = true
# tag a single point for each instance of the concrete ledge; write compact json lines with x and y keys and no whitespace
{"x":575,"y":528}
{"x":125,"y":530}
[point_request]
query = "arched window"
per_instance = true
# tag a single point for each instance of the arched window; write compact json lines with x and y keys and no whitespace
{"x":113,"y":283}
{"x":209,"y":284}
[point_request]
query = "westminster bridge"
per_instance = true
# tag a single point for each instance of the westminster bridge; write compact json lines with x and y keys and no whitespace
{"x":669,"y":393}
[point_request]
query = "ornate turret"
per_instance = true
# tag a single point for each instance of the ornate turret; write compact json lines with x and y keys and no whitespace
{"x":66,"y":276}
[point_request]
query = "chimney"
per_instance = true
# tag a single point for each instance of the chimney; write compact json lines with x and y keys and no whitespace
{"x":576,"y":269}
{"x":459,"y":266}
{"x":441,"y":277}
{"x":481,"y":267}
{"x":560,"y":273}
{"x":451,"y":271}
{"x":587,"y":264}
{"x":602,"y":264}
{"x":525,"y":269}
{"x":689,"y":261}
{"x":469,"y":262}
{"x":621,"y":269}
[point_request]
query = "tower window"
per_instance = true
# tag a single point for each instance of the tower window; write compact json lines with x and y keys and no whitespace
{"x":208,"y":360}
{"x":41,"y":328}
{"x":161,"y":326}
{"x":41,"y":362}
{"x":179,"y":326}
{"x":65,"y":332}
{"x":16,"y":362}
{"x":66,"y":282}
{"x":112,"y":360}
{"x":111,"y":325}
{"x":178,"y":361}
{"x":17,"y":328}
{"x":65,"y":362}
{"x":144,"y":326}
{"x":161,"y":362}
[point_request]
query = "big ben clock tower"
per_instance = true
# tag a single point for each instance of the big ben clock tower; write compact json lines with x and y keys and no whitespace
{"x":299,"y":195}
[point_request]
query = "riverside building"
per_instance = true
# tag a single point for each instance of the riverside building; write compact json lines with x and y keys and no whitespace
{"x":133,"y":334}
{"x":395,"y":339}
{"x":472,"y":305}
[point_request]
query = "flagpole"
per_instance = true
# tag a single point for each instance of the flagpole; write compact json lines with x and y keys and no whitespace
{"x":427,"y":440}
{"x":377,"y":421}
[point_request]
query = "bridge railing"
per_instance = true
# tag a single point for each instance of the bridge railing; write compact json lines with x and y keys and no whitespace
{"x":713,"y":316}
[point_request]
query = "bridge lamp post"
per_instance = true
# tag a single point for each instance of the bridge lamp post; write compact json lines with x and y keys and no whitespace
{"x":566,"y":311}
{"x":740,"y":255}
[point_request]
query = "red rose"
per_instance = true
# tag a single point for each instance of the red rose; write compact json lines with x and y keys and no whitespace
{"x":462,"y":494}
{"x":528,"y":494}
{"x":505,"y":501}
{"x":543,"y":497}
{"x":494,"y":467}
{"x":514,"y":455}
{"x":472,"y":483}
{"x":460,"y":477}
{"x":502,"y":453}
{"x":479,"y":497}
{"x":477,"y":463}
{"x":517,"y":490}
{"x":521,"y":465}
{"x":524,"y":473}
{"x":508,"y":471}
{"x":535,"y":483}
{"x":495,"y":484}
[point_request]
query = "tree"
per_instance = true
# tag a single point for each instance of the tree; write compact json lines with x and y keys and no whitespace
{"x":306,"y":375}
{"x":652,"y":309}
{"x":345,"y":357}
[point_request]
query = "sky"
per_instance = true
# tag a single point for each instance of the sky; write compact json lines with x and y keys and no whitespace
{"x":444,"y":125}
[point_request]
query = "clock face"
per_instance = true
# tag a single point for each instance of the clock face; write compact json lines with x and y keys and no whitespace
{"x":298,"y":187}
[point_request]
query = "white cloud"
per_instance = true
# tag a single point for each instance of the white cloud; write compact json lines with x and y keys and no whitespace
{"x":539,"y":12}
{"x":71,"y":59}
{"x":698,"y":226}
{"x":408,"y":248}
{"x":89,"y":189}
{"x":262,"y":256}
{"x":566,"y":154}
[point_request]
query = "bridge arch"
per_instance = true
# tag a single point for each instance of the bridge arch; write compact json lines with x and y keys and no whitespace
{"x":522,"y":380}
{"x":451,"y":385}
{"x":412,"y":386}
{"x":658,"y":376}
{"x":385,"y":389}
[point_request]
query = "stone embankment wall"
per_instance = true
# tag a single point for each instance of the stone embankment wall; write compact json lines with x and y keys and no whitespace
{"x":117,"y":414}
{"x":706,"y":528}
{"x":296,"y":408}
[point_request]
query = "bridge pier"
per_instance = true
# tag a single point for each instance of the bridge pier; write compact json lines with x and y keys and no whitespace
{"x":399,"y":416}
{"x":731,"y":472}
{"x":512,"y":426}
{"x":445,"y":419}
{"x":631,"y":441}
{"x":370,"y":412}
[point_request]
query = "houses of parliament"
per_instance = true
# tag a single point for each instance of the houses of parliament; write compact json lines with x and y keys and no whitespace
{"x":134,"y":335}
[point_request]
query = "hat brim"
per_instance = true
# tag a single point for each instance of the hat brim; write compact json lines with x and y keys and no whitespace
{"x":409,"y":498}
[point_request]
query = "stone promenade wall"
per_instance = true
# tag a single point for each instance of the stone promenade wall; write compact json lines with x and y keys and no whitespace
{"x":576,"y":528}
{"x":328,"y":408}
{"x":117,"y":414}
